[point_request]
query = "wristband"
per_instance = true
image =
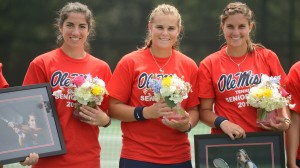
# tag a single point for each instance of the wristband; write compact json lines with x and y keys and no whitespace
{"x":218,"y":121}
{"x":109,"y":122}
{"x":190,"y":128}
{"x":138,"y":113}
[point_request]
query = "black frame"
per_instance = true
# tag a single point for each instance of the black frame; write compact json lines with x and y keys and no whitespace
{"x":266,"y":149}
{"x":16,"y":105}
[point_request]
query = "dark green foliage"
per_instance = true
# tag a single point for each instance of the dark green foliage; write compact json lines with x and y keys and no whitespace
{"x":27,"y":30}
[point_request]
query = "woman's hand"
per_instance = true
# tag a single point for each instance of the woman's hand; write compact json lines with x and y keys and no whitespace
{"x":277,"y":124}
{"x":233,"y":130}
{"x":32,"y":159}
{"x":181,"y":124}
{"x":94,"y":116}
{"x":157,"y":110}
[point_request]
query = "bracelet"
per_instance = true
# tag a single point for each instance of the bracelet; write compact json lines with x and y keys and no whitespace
{"x":288,"y":121}
{"x":138,"y":113}
{"x":218,"y":121}
{"x":190,"y":128}
{"x":109,"y":122}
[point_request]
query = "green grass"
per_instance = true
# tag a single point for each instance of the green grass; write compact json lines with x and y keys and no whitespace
{"x":111,"y":141}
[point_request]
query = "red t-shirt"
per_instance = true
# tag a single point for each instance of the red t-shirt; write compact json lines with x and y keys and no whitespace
{"x":293,"y":87}
{"x":3,"y":82}
{"x":81,"y":139}
{"x":220,"y":79}
{"x":150,"y":140}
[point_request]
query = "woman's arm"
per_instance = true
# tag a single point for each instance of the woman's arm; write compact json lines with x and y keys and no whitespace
{"x":208,"y":116}
{"x":120,"y":111}
{"x":124,"y":112}
{"x":292,"y":140}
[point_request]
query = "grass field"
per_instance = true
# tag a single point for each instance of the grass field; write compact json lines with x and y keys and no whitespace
{"x":110,"y":140}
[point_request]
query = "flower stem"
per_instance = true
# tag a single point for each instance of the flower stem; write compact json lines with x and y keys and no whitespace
{"x":262,"y":114}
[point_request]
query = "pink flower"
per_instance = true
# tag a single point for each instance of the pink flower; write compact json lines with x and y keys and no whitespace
{"x":284,"y":93}
{"x":78,"y":80}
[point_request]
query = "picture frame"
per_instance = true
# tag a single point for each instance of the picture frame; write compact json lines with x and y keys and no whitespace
{"x":213,"y":150}
{"x":29,"y":123}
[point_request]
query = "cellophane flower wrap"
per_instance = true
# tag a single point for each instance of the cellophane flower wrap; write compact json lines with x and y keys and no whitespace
{"x":85,"y":91}
{"x":172,"y":89}
{"x":268,"y":96}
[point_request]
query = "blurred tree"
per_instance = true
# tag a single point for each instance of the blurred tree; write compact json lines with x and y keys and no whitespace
{"x":27,"y":31}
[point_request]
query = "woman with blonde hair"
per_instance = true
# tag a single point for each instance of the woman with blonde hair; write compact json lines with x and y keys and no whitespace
{"x":150,"y":138}
{"x":243,"y":160}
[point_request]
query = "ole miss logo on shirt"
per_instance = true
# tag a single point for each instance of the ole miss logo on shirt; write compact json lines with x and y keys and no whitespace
{"x":239,"y":80}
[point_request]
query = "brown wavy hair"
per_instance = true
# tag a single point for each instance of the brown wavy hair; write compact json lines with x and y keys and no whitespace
{"x":64,"y":13}
{"x":242,"y":8}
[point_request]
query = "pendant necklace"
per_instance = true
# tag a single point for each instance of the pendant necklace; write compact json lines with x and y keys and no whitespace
{"x":238,"y":64}
{"x":159,"y":67}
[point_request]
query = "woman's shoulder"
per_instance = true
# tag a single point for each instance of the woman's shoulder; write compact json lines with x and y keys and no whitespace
{"x":297,"y":64}
{"x":213,"y":57}
{"x":183,"y":57}
{"x":133,"y":56}
{"x":295,"y":67}
{"x":215,"y":54}
{"x":265,"y":52}
{"x":97,"y":60}
{"x":46,"y":56}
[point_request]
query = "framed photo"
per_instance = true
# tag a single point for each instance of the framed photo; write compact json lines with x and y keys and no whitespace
{"x":28,"y":123}
{"x":264,"y":149}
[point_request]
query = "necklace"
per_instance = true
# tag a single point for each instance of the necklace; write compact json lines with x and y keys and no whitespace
{"x":238,"y":64}
{"x":159,"y":67}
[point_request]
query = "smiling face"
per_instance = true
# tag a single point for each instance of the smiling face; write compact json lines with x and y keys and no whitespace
{"x":237,"y":25}
{"x":236,"y":29}
{"x":32,"y":121}
{"x":74,"y":30}
{"x":240,"y":157}
{"x":164,"y":31}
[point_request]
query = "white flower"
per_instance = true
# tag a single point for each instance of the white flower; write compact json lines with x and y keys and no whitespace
{"x":171,"y":87}
{"x":57,"y":93}
{"x":267,"y":95}
{"x":85,"y":90}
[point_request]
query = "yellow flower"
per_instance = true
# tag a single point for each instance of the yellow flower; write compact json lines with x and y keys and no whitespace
{"x":167,"y":81}
{"x":96,"y":90}
{"x":267,"y":92}
{"x":263,"y":92}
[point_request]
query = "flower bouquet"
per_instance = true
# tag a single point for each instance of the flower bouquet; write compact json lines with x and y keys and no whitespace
{"x":268,"y":97}
{"x":173,"y":90}
{"x":85,"y":91}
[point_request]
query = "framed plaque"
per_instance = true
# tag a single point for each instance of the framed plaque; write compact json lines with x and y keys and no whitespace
{"x":29,"y":123}
{"x":264,"y":149}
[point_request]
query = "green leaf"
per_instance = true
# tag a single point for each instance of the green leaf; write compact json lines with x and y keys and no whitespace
{"x":170,"y":102}
{"x":92,"y":104}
